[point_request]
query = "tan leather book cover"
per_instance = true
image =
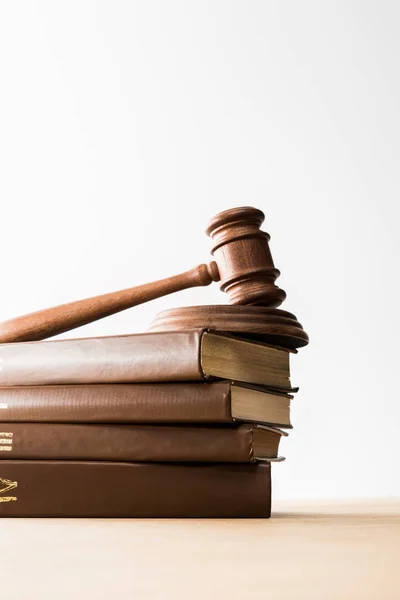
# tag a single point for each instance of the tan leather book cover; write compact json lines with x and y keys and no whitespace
{"x":190,"y":355}
{"x":164,"y":356}
{"x":132,"y":490}
{"x":118,"y":403}
{"x":137,"y":443}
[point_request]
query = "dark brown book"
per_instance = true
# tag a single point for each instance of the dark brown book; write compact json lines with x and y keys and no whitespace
{"x":149,"y":357}
{"x":217,"y":402}
{"x":131,"y":490}
{"x":138,"y":443}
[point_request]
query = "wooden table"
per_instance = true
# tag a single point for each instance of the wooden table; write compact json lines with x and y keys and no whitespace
{"x":310,"y":551}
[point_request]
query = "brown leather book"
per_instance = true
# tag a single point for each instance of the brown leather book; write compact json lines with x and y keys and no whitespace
{"x":131,"y":490}
{"x":138,"y":443}
{"x":217,"y":402}
{"x":149,"y":357}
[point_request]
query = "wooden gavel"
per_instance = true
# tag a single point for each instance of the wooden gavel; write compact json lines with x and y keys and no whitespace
{"x":243,"y":264}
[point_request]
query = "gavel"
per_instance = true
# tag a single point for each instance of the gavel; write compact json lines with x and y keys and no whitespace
{"x":243,"y":263}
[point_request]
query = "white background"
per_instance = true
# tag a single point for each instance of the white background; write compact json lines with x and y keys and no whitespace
{"x":124,"y":126}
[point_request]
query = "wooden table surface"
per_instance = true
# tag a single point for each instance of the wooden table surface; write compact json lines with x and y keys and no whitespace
{"x":311,"y":551}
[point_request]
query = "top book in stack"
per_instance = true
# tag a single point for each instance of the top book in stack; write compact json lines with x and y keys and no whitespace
{"x":192,"y":355}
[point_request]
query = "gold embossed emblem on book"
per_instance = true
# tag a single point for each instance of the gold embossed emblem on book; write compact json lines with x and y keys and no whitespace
{"x":5,"y":486}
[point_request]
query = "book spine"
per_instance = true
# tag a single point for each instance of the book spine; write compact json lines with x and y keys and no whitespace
{"x":136,"y":443}
{"x":118,"y":403}
{"x":172,"y":356}
{"x":132,"y":490}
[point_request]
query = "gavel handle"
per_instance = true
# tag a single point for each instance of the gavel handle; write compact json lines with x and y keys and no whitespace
{"x":52,"y":321}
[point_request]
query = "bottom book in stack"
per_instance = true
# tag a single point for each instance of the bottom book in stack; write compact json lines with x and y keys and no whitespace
{"x":122,"y":489}
{"x":139,"y":450}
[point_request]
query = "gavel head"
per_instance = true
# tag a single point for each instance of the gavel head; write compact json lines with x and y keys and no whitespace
{"x":244,"y":260}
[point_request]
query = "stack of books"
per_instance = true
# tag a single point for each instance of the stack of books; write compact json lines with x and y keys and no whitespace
{"x":163,"y":424}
